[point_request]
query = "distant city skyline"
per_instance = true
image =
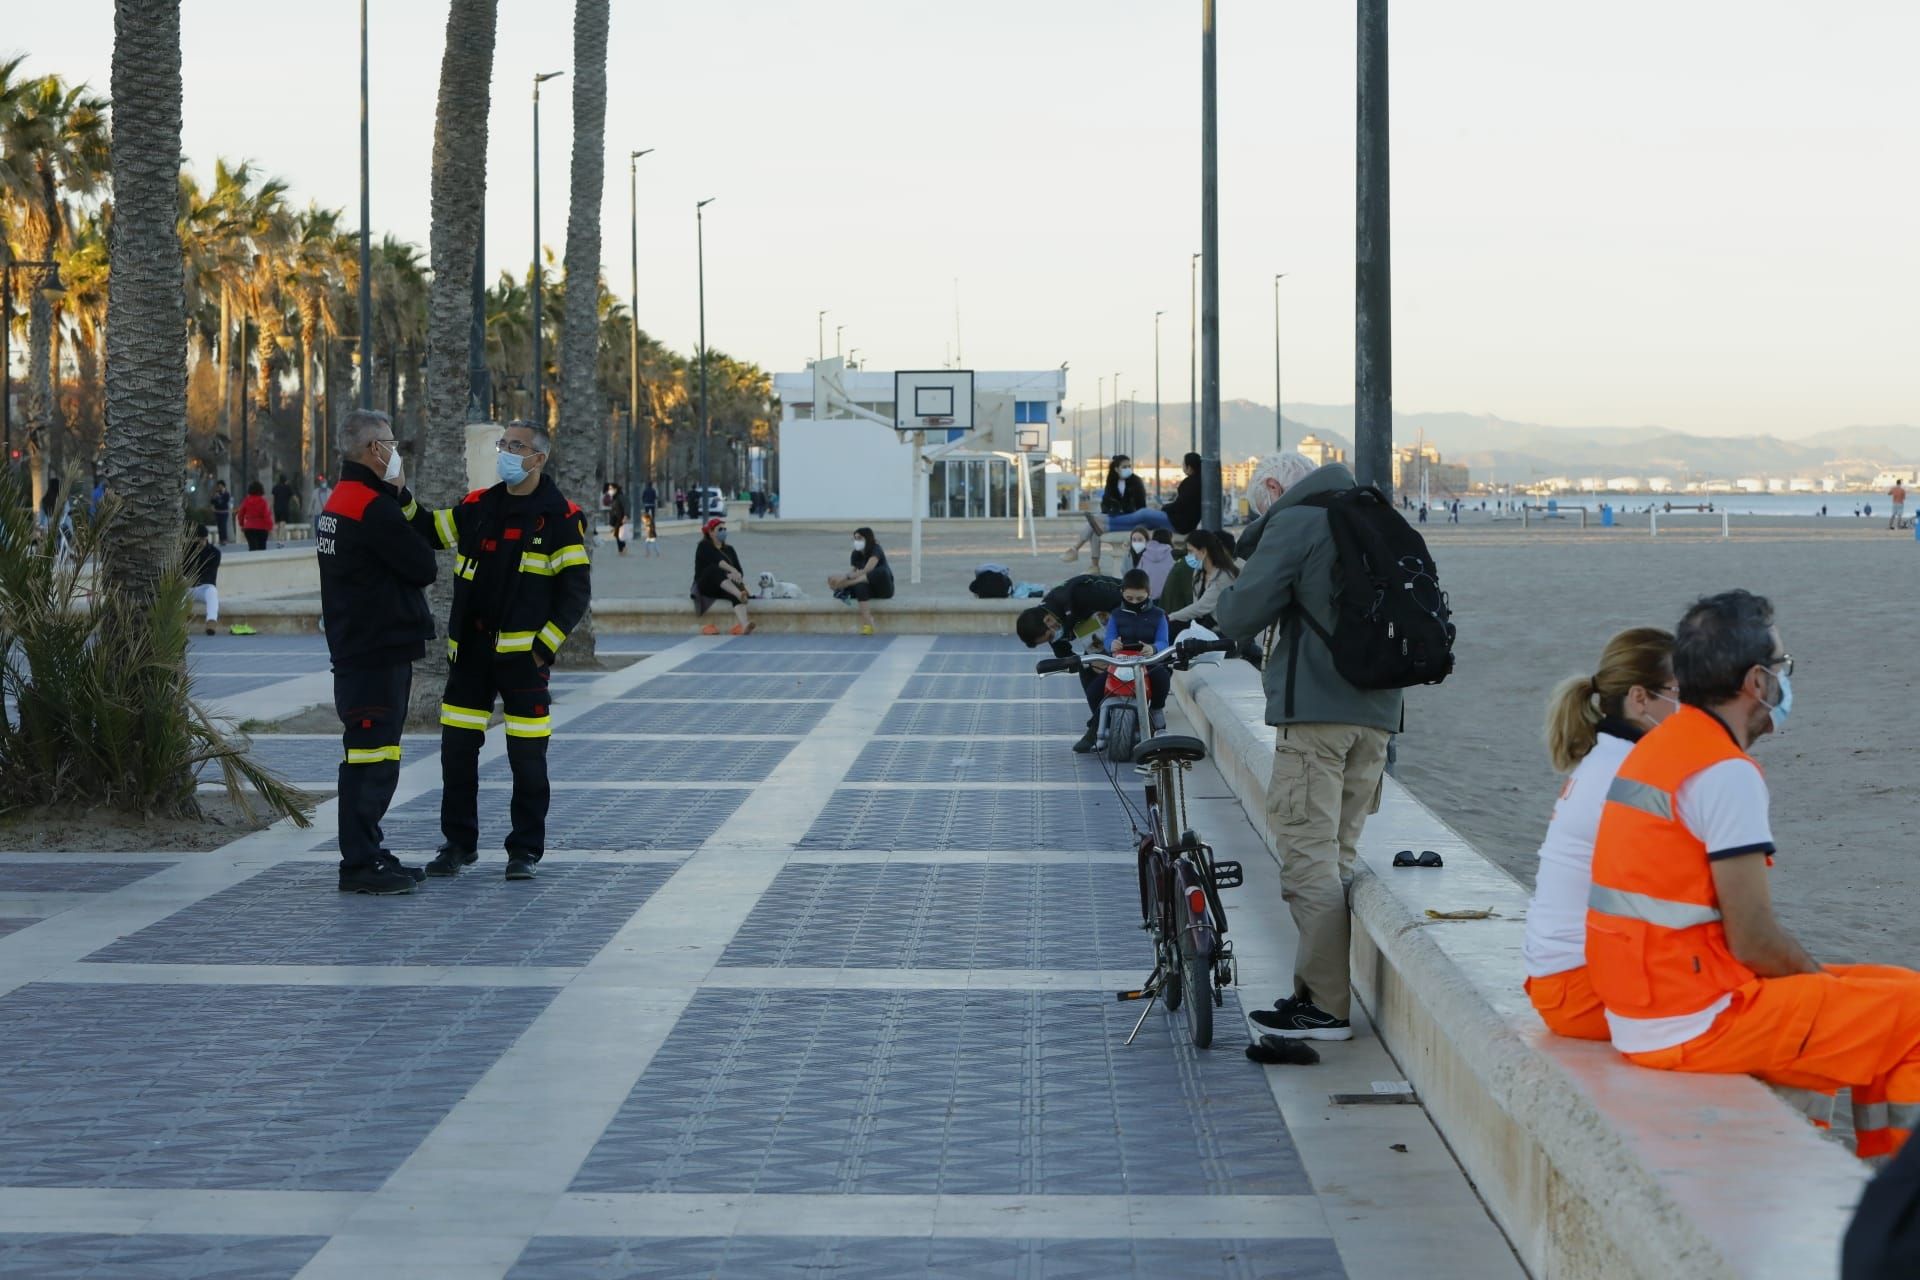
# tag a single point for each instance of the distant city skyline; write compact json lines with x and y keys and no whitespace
{"x":1689,"y":216}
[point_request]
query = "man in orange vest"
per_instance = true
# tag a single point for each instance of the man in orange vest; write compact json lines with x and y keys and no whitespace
{"x":1682,"y":944}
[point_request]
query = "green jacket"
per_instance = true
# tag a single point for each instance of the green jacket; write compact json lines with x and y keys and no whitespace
{"x":1289,"y":562}
{"x":1177,"y":591}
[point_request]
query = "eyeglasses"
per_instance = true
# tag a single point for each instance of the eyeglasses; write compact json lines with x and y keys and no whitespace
{"x":1784,"y":662}
{"x":520,"y":447}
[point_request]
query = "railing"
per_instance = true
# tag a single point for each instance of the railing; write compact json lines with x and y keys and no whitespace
{"x":1553,"y":512}
{"x":1706,"y":509}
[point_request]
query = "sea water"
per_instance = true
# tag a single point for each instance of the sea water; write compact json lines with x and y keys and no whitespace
{"x":1841,"y":505}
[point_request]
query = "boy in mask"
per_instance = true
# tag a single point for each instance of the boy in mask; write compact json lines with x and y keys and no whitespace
{"x":1138,"y":621}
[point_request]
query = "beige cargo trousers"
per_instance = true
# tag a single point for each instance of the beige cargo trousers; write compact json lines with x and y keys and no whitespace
{"x":1326,"y":780}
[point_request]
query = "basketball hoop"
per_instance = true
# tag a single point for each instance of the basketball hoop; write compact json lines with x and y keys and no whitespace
{"x":935,"y":424}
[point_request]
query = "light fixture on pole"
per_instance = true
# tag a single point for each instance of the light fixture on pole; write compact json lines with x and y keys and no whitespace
{"x":1100,"y":416}
{"x":1159,"y":489}
{"x":851,"y":353}
{"x":837,"y":331}
{"x":820,"y":327}
{"x":1116,"y":415}
{"x":539,"y":273}
{"x":1278,"y":433}
{"x":1193,"y":354}
{"x":633,"y":320}
{"x":700,"y":251}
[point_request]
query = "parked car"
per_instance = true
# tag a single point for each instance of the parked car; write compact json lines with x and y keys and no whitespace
{"x":716,"y":501}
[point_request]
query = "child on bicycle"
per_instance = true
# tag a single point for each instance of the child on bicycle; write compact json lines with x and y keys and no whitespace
{"x":1137,"y":622}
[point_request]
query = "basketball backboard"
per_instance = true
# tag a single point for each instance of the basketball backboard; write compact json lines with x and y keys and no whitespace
{"x":933,"y":400}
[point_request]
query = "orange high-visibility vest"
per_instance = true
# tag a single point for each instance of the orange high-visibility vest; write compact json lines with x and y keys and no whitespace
{"x":1655,"y":944}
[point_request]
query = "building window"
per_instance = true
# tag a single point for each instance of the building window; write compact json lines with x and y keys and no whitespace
{"x":1030,"y":413}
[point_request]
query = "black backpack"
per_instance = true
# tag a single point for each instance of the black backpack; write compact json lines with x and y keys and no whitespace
{"x":991,"y":584}
{"x":1392,"y":627}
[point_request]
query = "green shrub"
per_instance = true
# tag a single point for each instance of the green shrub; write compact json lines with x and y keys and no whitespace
{"x":101,"y":711}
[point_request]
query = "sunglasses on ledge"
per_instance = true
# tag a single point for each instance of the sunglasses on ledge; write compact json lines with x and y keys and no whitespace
{"x":1427,"y":858}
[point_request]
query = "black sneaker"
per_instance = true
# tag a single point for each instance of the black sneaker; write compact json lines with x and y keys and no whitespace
{"x":1303,"y":1020}
{"x":519,"y":868}
{"x":449,"y":860}
{"x":387,"y":860}
{"x":1086,"y":740}
{"x":375,"y":878}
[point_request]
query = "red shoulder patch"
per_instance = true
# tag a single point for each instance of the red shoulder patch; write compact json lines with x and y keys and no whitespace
{"x":351,"y":498}
{"x":475,"y":496}
{"x":572,"y":510}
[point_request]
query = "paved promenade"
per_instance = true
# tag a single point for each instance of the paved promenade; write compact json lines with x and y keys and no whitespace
{"x":816,"y":980}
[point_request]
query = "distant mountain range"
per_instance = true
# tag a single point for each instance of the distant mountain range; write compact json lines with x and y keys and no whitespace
{"x":1501,"y":452}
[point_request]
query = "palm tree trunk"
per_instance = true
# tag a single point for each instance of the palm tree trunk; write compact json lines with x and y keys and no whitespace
{"x":266,"y":431}
{"x":39,"y":390}
{"x":146,"y":315}
{"x":309,"y":412}
{"x":459,"y":189}
{"x":581,"y":411}
{"x":223,"y":360}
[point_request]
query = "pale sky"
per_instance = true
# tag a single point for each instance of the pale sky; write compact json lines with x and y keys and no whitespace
{"x":1696,"y":214}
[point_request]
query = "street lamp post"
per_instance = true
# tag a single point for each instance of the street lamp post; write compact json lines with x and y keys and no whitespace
{"x":1100,"y":416}
{"x":366,"y":232}
{"x":1159,"y":490}
{"x":539,"y":274}
{"x":633,"y":321}
{"x":700,"y":249}
{"x":837,"y":331}
{"x":851,"y":353}
{"x":820,"y":325}
{"x":1193,"y":354}
{"x":1372,"y":311}
{"x":1278,"y":443}
{"x":1116,"y":415}
{"x":1210,"y":495}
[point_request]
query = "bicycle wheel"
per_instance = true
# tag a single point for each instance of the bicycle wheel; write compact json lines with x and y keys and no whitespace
{"x":1123,"y":735}
{"x":1196,"y":975}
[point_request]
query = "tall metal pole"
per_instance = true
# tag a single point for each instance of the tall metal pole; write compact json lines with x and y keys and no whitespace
{"x":1159,"y":490}
{"x":633,"y":326}
{"x":366,"y":236}
{"x":837,"y":331}
{"x":820,"y":335}
{"x":1193,"y":354}
{"x":1116,"y":415}
{"x":1100,"y":417}
{"x":539,"y":271}
{"x":700,"y":243}
{"x":1372,"y":274}
{"x":479,"y":377}
{"x":1278,"y":440}
{"x":1210,"y":495}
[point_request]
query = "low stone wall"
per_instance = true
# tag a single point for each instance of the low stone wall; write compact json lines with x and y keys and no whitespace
{"x":259,"y":575}
{"x":931,"y":615}
{"x":1592,"y":1166}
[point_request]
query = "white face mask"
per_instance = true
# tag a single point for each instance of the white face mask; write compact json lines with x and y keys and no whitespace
{"x":1139,"y":545}
{"x":392,"y":473}
{"x":859,"y":544}
{"x":1126,"y":473}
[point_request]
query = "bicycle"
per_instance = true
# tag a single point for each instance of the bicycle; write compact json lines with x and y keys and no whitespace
{"x":1180,"y":879}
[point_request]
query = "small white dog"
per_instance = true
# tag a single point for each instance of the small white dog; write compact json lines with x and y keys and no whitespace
{"x":772,"y":588}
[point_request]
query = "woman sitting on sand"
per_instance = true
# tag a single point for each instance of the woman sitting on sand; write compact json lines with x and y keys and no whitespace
{"x":1592,"y":723}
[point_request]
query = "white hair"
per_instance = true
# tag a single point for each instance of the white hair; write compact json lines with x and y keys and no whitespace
{"x":1284,"y":469}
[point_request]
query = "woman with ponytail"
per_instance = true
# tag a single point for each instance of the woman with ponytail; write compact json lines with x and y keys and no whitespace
{"x":1592,"y":723}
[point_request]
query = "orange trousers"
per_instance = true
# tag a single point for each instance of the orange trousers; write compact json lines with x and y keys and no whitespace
{"x":1854,"y":1025}
{"x":1566,"y":1003}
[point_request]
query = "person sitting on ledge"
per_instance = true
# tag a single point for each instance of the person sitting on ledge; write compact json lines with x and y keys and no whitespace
{"x":1592,"y":722}
{"x":1123,"y":507}
{"x":1683,"y":948}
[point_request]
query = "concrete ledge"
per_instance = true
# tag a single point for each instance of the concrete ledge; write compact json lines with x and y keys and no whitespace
{"x":252,"y":575}
{"x":1592,"y":1166}
{"x":929,"y":615}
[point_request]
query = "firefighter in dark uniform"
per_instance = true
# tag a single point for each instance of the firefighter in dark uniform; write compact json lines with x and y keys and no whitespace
{"x":373,"y":571}
{"x":522,"y":582}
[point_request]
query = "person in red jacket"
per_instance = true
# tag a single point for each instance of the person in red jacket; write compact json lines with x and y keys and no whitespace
{"x":256,"y":517}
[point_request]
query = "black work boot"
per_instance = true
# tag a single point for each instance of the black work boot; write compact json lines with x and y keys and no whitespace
{"x":449,"y":860}
{"x":1086,"y":740}
{"x":375,"y":878}
{"x":392,"y":863}
{"x":519,"y":868}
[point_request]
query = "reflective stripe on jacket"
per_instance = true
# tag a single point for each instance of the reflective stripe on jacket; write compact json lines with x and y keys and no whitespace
{"x":1656,"y":947}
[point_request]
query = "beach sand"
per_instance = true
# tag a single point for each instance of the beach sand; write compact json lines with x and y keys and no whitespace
{"x":1533,"y":607}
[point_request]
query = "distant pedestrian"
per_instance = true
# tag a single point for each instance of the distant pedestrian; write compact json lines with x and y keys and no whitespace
{"x":1899,"y":495}
{"x":223,"y":511}
{"x":322,"y":491}
{"x":617,"y":518}
{"x":870,"y":577}
{"x":256,"y":517}
{"x":282,"y":508}
{"x":717,"y":575}
{"x":203,"y":575}
{"x":679,"y":504}
{"x":649,"y":499}
{"x":650,"y":530}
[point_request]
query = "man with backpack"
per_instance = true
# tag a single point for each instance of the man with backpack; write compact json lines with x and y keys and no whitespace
{"x":1333,"y":677}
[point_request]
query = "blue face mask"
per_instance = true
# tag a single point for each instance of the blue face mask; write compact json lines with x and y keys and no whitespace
{"x":1777,"y":712}
{"x":1193,"y":562}
{"x":510,"y":468}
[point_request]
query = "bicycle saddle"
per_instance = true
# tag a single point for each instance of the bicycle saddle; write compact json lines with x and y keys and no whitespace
{"x":1169,"y":746}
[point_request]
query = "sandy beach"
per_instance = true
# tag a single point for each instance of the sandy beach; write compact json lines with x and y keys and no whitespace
{"x":1535,"y":605}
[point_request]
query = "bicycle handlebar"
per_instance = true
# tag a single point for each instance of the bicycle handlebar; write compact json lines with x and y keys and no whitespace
{"x":1179,"y":654}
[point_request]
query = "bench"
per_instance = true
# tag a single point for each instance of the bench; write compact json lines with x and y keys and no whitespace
{"x":1592,"y":1166}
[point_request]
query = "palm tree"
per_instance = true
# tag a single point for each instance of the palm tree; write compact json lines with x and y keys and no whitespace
{"x":313,"y":279}
{"x":581,"y":406}
{"x":459,"y":189}
{"x":146,"y":328}
{"x":53,"y":145}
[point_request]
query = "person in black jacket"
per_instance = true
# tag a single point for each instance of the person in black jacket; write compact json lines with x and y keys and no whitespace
{"x":1077,"y":607}
{"x":1123,"y":508}
{"x":523,"y":578}
{"x":617,"y":516}
{"x":203,"y":574}
{"x":1183,"y":513}
{"x":717,"y":575}
{"x":373,"y":570}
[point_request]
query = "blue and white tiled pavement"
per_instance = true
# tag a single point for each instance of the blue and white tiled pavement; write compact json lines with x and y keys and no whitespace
{"x":817,"y":980}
